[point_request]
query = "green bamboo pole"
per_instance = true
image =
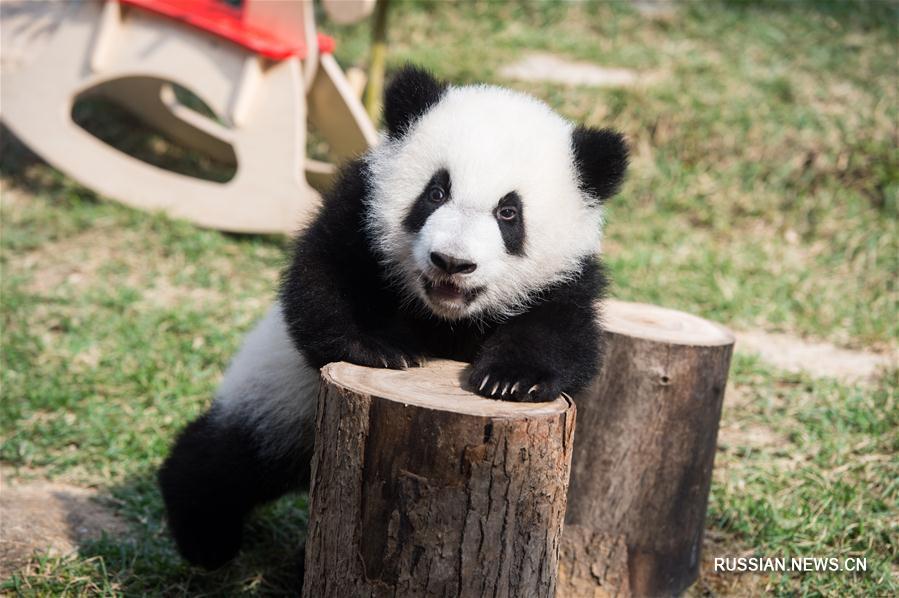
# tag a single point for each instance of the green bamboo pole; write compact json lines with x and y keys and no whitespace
{"x":375,"y":89}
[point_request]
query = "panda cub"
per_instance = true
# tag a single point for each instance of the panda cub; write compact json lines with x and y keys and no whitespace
{"x":470,"y":232}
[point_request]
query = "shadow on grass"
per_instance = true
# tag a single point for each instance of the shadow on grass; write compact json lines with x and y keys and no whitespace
{"x":28,"y":171}
{"x":142,"y":559}
{"x":863,"y":14}
{"x":146,"y":561}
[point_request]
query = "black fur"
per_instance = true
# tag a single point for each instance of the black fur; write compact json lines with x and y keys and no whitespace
{"x":340,"y":306}
{"x":512,"y":230}
{"x":412,"y":92}
{"x":213,"y":478}
{"x":601,"y":158}
{"x":552,"y":348}
{"x":425,"y":205}
{"x":334,"y":294}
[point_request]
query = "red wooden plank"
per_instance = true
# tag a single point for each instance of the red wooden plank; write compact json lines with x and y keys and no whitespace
{"x":223,"y":20}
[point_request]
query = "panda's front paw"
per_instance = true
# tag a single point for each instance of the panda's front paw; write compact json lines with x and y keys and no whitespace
{"x":514,"y":382}
{"x":377,"y":353}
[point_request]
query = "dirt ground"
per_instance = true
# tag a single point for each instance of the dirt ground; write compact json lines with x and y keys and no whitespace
{"x":819,"y":359}
{"x":546,"y":67}
{"x":48,"y":517}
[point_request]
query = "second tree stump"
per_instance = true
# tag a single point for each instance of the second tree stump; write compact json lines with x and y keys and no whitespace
{"x":643,"y":454}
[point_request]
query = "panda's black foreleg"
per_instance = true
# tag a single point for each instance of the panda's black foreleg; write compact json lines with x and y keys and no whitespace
{"x":554,"y":347}
{"x":214,"y":476}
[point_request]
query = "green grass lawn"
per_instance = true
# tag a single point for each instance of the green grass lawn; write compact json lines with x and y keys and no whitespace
{"x":764,"y":194}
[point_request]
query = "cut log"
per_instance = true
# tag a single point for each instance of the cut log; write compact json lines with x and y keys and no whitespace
{"x":642,"y":466}
{"x":420,"y":487}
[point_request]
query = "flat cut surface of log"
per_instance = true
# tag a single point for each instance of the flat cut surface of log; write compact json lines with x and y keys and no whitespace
{"x":663,"y":325}
{"x":421,"y":488}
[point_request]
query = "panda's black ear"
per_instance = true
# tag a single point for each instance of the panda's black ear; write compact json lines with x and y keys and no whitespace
{"x":600,"y":156}
{"x":410,"y":94}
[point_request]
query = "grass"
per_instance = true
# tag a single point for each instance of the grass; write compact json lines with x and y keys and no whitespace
{"x":764,"y":194}
{"x":807,"y":467}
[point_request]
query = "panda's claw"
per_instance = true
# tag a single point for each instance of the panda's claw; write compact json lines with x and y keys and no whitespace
{"x":513,"y":382}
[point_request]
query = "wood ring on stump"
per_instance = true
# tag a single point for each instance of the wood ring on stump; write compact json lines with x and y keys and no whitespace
{"x":420,"y":487}
{"x":642,"y":466}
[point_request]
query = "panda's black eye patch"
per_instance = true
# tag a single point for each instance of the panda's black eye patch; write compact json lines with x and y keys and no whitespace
{"x":434,"y":195}
{"x":509,"y":214}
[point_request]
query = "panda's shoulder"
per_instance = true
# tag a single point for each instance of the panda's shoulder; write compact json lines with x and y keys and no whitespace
{"x":340,"y":217}
{"x":586,"y":284}
{"x":350,"y":190}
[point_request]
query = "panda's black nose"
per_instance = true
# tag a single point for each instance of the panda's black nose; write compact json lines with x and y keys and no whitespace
{"x":451,"y":265}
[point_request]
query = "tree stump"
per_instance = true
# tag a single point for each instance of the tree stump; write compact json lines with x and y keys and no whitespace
{"x":421,"y":488}
{"x":642,"y":466}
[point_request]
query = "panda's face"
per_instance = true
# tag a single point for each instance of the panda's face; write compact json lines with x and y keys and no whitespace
{"x":478,"y":205}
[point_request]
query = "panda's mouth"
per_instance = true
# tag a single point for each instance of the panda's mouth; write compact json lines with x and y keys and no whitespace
{"x":445,"y":291}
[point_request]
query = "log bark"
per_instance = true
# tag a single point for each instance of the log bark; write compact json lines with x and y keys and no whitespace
{"x":421,"y":488}
{"x":643,"y":455}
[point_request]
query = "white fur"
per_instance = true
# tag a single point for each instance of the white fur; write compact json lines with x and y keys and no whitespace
{"x":492,"y":141}
{"x":270,"y":388}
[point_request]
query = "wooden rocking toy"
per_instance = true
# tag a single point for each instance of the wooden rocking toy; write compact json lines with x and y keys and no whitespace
{"x":253,"y":65}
